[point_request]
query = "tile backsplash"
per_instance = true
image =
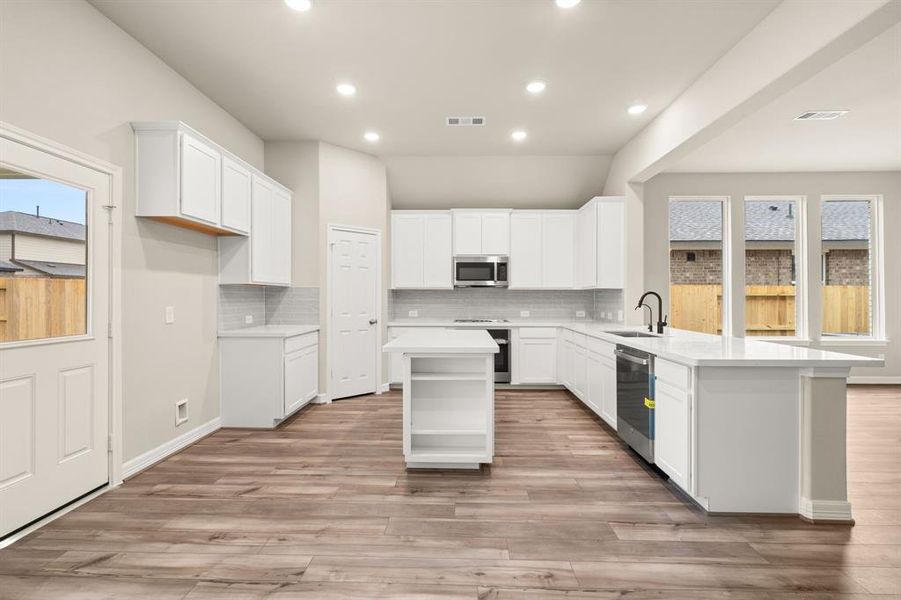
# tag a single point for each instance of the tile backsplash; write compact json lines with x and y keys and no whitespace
{"x":494,"y":303}
{"x":267,"y":306}
{"x":292,"y":306}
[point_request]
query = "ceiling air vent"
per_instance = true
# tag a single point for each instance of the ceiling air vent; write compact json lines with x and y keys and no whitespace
{"x":465,"y":121}
{"x":820,"y":115}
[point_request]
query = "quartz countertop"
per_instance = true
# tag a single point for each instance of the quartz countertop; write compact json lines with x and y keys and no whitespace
{"x":685,"y":347}
{"x":276,"y":331}
{"x":444,"y":342}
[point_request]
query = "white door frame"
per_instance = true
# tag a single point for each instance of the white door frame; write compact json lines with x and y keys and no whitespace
{"x":114,"y":327}
{"x":333,"y":228}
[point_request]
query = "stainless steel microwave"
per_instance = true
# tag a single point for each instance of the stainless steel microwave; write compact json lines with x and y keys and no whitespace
{"x":480,"y":271}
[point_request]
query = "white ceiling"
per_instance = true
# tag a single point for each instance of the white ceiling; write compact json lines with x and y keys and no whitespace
{"x":867,"y":82}
{"x":416,"y":62}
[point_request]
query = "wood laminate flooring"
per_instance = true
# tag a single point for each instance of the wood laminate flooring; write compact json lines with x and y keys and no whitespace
{"x":323,"y":508}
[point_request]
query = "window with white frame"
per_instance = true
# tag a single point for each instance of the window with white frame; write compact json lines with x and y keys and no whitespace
{"x":774,"y":267}
{"x":850,"y":272}
{"x":699,"y":294}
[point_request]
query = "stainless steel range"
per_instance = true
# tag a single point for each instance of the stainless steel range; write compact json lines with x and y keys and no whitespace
{"x":502,"y":339}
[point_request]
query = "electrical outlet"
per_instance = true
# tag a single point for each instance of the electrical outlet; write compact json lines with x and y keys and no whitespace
{"x":619,"y":316}
{"x":170,"y":315}
{"x":609,"y":316}
{"x":181,"y":412}
{"x":580,"y":314}
{"x":413,"y":313}
{"x":248,"y":319}
{"x":525,"y":313}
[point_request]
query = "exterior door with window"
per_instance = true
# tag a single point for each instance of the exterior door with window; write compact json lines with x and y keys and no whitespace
{"x":55,"y":351}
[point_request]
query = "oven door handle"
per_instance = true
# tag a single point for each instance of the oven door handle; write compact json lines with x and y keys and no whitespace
{"x":630,"y":358}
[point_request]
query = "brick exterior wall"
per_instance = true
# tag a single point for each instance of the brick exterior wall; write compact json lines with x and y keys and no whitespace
{"x":848,"y":267}
{"x":707,"y":268}
{"x":767,"y":267}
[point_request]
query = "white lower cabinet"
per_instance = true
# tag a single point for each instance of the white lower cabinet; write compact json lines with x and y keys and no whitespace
{"x":672,"y":393}
{"x":580,"y":371}
{"x":535,"y":356}
{"x":265,"y":379}
{"x":602,"y":380}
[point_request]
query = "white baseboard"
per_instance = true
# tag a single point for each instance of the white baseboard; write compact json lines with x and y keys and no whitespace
{"x":383,"y":388}
{"x":874,"y":380}
{"x":139,"y":463}
{"x":825,"y":510}
{"x":321,"y":399}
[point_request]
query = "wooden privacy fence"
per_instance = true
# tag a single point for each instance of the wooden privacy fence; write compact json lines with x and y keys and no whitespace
{"x":40,"y":307}
{"x":770,"y":309}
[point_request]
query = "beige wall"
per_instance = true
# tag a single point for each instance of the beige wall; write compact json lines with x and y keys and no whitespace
{"x":332,"y":185}
{"x":70,"y":75}
{"x":33,"y":247}
{"x":439,"y":182}
{"x":296,"y":165}
{"x":812,"y":185}
{"x":353,"y":190}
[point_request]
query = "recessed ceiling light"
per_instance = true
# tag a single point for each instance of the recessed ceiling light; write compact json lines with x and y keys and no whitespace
{"x":567,"y":3}
{"x":519,"y":135}
{"x":346,"y":89}
{"x":536,"y":87}
{"x":299,"y":5}
{"x":637,"y":109}
{"x":371,"y":136}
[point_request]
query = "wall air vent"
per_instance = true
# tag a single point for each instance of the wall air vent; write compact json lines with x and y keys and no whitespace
{"x":820,"y":115}
{"x":465,"y":121}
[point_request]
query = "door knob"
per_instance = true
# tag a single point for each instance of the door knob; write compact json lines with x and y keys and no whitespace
{"x":373,"y":321}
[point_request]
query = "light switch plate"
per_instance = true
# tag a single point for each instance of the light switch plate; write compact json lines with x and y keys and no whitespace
{"x":580,"y":314}
{"x":248,"y":319}
{"x":524,"y":313}
{"x":170,"y":315}
{"x":413,"y":313}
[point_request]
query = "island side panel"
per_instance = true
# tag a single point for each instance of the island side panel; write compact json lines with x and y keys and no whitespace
{"x":748,"y":439}
{"x":824,"y":471}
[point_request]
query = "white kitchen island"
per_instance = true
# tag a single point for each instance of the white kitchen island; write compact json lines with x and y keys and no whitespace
{"x":448,"y":408}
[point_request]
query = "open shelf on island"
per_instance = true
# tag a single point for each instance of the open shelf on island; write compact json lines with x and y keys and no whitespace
{"x":420,"y":376}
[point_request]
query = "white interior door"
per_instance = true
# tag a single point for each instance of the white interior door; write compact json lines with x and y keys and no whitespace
{"x":354,"y":313}
{"x":55,"y":352}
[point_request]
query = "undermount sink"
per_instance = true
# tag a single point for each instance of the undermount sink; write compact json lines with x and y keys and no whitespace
{"x":632,"y":333}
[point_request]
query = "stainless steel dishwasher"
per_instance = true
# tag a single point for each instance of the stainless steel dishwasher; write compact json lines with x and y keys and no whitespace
{"x":635,"y":399}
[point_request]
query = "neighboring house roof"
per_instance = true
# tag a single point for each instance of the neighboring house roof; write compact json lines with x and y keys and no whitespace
{"x":6,"y":267}
{"x":54,"y":269}
{"x":767,"y":221}
{"x":12,"y":221}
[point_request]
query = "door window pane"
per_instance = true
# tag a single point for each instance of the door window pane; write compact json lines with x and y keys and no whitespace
{"x":696,"y":265}
{"x":43,"y":258}
{"x":847,"y":268}
{"x":771,"y":227}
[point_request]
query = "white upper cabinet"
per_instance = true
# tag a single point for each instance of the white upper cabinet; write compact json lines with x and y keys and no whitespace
{"x":187,"y":180}
{"x":557,"y":249}
{"x":541,"y":249}
{"x":481,"y":232}
{"x":525,"y":250}
{"x":600,"y":237}
{"x":264,"y":258}
{"x":421,"y":250}
{"x":586,"y":246}
{"x":611,"y":218}
{"x":236,"y":194}
{"x":200,"y":176}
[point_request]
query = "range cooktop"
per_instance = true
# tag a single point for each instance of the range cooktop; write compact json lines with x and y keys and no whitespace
{"x":481,"y":320}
